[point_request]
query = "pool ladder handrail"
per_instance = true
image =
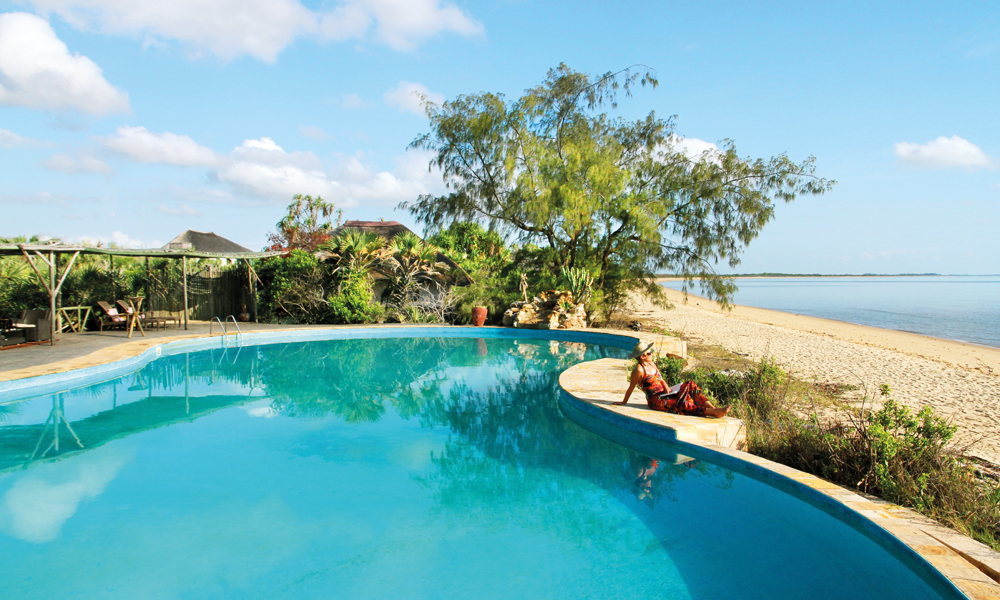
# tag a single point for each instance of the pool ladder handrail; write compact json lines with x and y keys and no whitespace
{"x":239,"y":333}
{"x":226,"y":334}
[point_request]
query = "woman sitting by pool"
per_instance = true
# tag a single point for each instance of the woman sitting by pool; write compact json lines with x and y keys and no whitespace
{"x":684,"y":399}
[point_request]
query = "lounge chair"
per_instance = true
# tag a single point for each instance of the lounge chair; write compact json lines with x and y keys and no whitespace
{"x":36,"y":325}
{"x":111,"y":317}
{"x":146,"y":319}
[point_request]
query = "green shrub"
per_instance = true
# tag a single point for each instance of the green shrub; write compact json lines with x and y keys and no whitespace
{"x":293,"y":288}
{"x":354,"y":301}
{"x":670,"y":369}
{"x":891,"y":453}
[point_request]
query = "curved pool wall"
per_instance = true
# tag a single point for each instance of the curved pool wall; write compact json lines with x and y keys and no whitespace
{"x":628,"y":432}
{"x":651,"y":439}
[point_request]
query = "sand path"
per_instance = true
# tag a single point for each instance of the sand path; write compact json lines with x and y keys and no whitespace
{"x":960,"y":381}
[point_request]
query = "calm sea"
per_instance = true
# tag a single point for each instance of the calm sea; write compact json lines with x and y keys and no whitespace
{"x":963,"y":308}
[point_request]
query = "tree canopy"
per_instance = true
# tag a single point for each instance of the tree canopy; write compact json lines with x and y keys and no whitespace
{"x":615,"y":197}
{"x":307,"y":225}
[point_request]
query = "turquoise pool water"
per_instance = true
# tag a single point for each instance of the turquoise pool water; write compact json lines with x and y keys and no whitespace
{"x":391,"y":468}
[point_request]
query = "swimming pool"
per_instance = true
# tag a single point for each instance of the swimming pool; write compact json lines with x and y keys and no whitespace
{"x":400,"y":467}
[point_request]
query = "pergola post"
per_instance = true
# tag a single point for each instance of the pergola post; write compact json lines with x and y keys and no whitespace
{"x":184,"y":259}
{"x":254,"y":278}
{"x":50,"y":286}
{"x":52,"y":298}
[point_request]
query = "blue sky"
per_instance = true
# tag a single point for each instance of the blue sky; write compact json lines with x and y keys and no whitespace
{"x":129,"y":121}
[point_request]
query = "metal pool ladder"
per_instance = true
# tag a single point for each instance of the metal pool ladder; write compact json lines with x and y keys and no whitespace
{"x":226,"y":334}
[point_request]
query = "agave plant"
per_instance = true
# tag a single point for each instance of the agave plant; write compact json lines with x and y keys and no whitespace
{"x":579,"y":282}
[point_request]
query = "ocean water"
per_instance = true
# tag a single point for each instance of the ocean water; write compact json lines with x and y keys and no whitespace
{"x":396,"y":469}
{"x":961,"y":308}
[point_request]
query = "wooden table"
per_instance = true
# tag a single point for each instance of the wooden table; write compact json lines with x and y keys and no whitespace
{"x":82,"y":316}
{"x":135,"y":303}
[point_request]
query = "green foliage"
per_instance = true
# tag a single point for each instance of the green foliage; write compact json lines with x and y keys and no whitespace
{"x":354,"y":301}
{"x":411,"y":266}
{"x":307,"y":225}
{"x":357,"y":250}
{"x":578,"y":281}
{"x":293,"y":288}
{"x":670,"y":369}
{"x":614,"y":197}
{"x":480,"y":252}
{"x":889,"y":452}
{"x":19,"y":288}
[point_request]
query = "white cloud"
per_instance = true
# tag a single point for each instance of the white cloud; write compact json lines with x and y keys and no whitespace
{"x":260,"y":408}
{"x":141,"y":145}
{"x":225,"y":28}
{"x":262,"y":168}
{"x":34,"y":510}
{"x":180,"y":211}
{"x":37,"y":71}
{"x":119,"y":240}
{"x":692,"y":148}
{"x":9,"y":139}
{"x":313,"y":132}
{"x":124,"y":241}
{"x":409,"y":96}
{"x":400,"y":24}
{"x":409,"y":178}
{"x":943,"y":152}
{"x":263,"y":28}
{"x":65,"y":163}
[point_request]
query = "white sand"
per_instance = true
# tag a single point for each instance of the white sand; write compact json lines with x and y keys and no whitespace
{"x":960,"y":381}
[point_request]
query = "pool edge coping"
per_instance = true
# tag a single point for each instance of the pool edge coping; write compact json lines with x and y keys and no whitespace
{"x":971,"y":568}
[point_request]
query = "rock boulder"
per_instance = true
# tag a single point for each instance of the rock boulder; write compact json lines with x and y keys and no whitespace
{"x":549,"y":310}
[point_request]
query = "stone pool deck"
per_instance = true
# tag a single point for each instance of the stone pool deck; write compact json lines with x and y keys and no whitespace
{"x":973,"y":567}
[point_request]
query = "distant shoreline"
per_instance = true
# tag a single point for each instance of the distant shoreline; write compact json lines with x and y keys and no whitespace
{"x":951,"y":376}
{"x":759,"y":311}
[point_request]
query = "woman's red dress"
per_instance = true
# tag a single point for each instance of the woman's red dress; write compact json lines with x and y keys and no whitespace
{"x":688,"y":401}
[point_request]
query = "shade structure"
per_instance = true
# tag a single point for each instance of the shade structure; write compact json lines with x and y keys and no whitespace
{"x":47,"y":253}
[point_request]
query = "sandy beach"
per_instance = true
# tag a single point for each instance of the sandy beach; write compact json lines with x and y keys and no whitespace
{"x":960,"y":381}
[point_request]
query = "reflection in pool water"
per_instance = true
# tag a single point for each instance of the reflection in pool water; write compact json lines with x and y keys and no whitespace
{"x":402,"y":468}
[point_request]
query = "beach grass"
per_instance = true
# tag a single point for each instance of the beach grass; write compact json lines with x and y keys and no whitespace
{"x":875,"y":446}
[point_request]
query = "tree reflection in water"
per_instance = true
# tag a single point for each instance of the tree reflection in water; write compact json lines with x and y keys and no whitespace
{"x":497,"y":397}
{"x":510,"y":442}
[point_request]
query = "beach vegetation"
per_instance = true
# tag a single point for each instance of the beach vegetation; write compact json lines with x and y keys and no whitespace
{"x":879,"y":447}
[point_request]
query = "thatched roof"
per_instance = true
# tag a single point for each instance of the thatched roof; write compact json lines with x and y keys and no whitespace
{"x":386,"y":229}
{"x":201,"y":241}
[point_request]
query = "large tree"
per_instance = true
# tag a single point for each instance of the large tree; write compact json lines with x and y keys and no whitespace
{"x":615,"y":197}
